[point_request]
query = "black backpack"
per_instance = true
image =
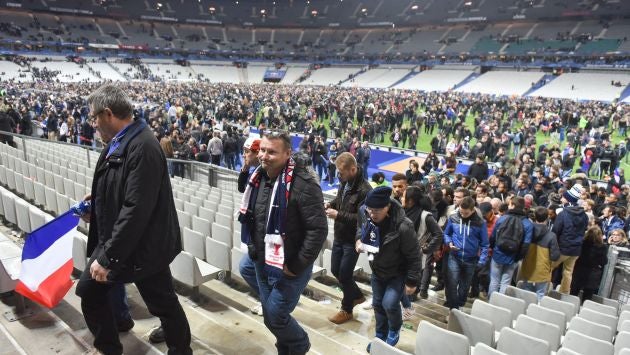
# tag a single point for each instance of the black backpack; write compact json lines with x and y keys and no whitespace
{"x":509,"y":235}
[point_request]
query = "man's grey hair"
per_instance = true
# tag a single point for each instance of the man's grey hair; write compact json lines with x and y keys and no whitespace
{"x":111,"y":97}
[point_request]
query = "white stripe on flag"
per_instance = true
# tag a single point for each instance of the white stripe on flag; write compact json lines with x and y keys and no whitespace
{"x":35,"y":271}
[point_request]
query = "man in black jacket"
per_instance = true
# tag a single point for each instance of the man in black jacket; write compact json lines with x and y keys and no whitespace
{"x":343,"y":209}
{"x":285,"y":226}
{"x":390,"y":240}
{"x":479,"y":170}
{"x":134,"y":233}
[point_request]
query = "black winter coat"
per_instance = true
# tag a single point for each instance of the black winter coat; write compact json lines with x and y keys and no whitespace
{"x":589,"y":267}
{"x":134,"y":230}
{"x":399,"y":252}
{"x":306,"y":228}
{"x":346,"y":222}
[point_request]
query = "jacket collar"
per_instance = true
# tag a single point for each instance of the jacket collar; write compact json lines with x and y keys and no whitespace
{"x":131,"y":132}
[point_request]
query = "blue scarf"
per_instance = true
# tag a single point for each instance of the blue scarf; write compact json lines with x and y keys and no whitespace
{"x":370,"y":237}
{"x":278,"y":213}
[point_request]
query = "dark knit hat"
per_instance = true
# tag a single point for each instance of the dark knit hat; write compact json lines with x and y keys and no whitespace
{"x":378,"y":197}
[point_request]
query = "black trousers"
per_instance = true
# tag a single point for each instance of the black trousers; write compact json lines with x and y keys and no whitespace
{"x":158,"y":294}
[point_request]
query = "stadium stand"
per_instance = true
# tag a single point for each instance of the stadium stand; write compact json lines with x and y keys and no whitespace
{"x":502,"y":83}
{"x":585,"y":86}
{"x":435,"y":80}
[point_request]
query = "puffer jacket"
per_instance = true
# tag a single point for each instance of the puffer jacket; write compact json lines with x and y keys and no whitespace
{"x":569,"y":226}
{"x":399,"y":252}
{"x":134,"y":230}
{"x":503,"y":258}
{"x":469,"y":235}
{"x":347,"y":208}
{"x":543,"y":250}
{"x":306,"y":228}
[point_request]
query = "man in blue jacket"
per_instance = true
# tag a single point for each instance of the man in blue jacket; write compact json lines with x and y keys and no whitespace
{"x":467,"y":238}
{"x":610,"y":221}
{"x":504,"y":263}
{"x":569,"y":226}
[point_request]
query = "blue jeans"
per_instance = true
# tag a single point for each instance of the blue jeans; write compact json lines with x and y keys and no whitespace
{"x":230,"y":161}
{"x":118,"y":300}
{"x":343,"y":260}
{"x":458,"y":277}
{"x":247,"y":269}
{"x":386,"y":296}
{"x":279,"y":296}
{"x":500,"y":276}
{"x":539,"y":287}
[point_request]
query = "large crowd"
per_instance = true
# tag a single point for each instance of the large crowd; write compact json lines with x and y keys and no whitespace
{"x":538,"y":208}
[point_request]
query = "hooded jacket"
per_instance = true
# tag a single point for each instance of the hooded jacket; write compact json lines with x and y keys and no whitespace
{"x":569,"y":226}
{"x":503,"y":258}
{"x":543,"y":250}
{"x":469,"y":235}
{"x":609,"y":226}
{"x":399,"y":252}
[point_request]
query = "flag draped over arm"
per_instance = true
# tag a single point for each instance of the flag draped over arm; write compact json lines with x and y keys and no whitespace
{"x":47,"y":261}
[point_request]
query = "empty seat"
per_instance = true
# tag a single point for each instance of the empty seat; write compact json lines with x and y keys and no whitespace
{"x":547,"y":315}
{"x":40,"y":194}
{"x":516,"y":343}
{"x":29,"y":189}
{"x":79,"y":251}
{"x":601,"y":308}
{"x":63,"y":204}
{"x":477,"y":330}
{"x":235,"y":259}
{"x":431,"y":339}
{"x":192,"y":271}
{"x":206,"y":214}
{"x":593,"y":329}
{"x":218,"y":254}
{"x":527,"y":296}
{"x":500,"y":317}
{"x":599,"y":318}
{"x":622,"y":341}
{"x":179,"y":204}
{"x":22,"y":215}
{"x":585,"y":344}
{"x":185,"y":220}
{"x":11,"y":180}
{"x":569,"y":309}
{"x":516,"y":305}
{"x":380,"y":347}
{"x":227,"y":210}
{"x":623,"y":317}
{"x":606,"y":301}
{"x":8,"y":206}
{"x":224,"y":220}
{"x":19,"y":184}
{"x":190,"y":208}
{"x":37,"y":217}
{"x":51,"y":200}
{"x":574,"y":300}
{"x":549,"y":332}
{"x":222,"y":234}
{"x":623,"y":326}
{"x":483,"y":349}
{"x":565,"y":351}
{"x":194,"y":243}
{"x":201,"y":225}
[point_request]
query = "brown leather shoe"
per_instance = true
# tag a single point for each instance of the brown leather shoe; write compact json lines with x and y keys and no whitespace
{"x":340,"y":317}
{"x":358,"y":301}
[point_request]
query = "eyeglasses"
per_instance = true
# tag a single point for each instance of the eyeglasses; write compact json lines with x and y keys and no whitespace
{"x":94,"y":116}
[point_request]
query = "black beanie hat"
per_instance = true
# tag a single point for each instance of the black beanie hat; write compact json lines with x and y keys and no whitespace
{"x":378,"y":197}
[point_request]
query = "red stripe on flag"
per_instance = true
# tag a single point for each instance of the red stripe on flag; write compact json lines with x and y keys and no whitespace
{"x":52,"y":290}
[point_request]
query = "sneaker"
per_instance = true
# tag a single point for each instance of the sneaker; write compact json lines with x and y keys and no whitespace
{"x":358,"y":301}
{"x":424,"y":295}
{"x":157,"y":335}
{"x":367,"y":304}
{"x":407,"y":313}
{"x":340,"y":317}
{"x":392,"y":337}
{"x":438,"y":287}
{"x":125,"y":325}
{"x":257,"y":309}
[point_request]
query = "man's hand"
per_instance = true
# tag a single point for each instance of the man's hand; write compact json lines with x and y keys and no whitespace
{"x":98,"y":273}
{"x":409,"y":290}
{"x":358,"y":246}
{"x":287,"y":272}
{"x":86,"y":217}
{"x":331,"y":213}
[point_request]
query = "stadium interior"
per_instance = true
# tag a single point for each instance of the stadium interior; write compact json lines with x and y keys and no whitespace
{"x":557,"y":49}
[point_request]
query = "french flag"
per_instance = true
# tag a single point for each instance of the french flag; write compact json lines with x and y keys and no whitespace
{"x":47,"y":261}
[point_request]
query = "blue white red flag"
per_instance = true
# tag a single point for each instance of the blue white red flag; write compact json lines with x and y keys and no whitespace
{"x":47,"y":261}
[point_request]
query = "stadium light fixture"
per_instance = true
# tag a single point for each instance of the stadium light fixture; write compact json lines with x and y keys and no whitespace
{"x":212,"y":10}
{"x":314,"y":13}
{"x":364,"y":12}
{"x":414,"y":7}
{"x":159,"y":6}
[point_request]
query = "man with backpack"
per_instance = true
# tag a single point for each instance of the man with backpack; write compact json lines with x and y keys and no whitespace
{"x":511,"y":238}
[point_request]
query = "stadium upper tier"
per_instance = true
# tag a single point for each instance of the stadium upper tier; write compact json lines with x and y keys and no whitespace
{"x":585,"y":37}
{"x":324,"y":13}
